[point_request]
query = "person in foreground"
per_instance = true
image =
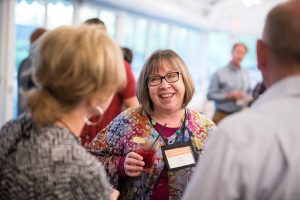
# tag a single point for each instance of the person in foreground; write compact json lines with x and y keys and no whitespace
{"x":164,"y":89}
{"x":256,"y":154}
{"x":40,"y":154}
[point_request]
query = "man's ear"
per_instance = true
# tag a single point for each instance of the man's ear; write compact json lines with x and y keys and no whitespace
{"x":262,"y":55}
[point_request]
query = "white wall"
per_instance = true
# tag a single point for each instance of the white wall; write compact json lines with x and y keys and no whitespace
{"x":7,"y":62}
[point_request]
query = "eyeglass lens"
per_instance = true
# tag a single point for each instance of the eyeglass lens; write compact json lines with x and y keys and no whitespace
{"x":170,"y":78}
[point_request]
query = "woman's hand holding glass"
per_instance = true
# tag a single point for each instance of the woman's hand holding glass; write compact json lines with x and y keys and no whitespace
{"x":133,"y":164}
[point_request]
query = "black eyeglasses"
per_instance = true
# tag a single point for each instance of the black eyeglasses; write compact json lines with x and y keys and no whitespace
{"x":169,"y":77}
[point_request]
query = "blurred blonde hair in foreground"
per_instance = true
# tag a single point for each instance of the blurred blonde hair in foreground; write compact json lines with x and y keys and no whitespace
{"x":72,"y":64}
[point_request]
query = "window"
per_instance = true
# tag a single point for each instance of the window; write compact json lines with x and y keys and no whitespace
{"x":158,"y":36}
{"x":191,"y":54}
{"x":109,"y":18}
{"x":129,"y":33}
{"x":29,"y":15}
{"x":136,"y":37}
{"x":87,"y":12}
{"x":65,"y":16}
{"x":140,"y":41}
{"x":30,"y":12}
{"x":178,"y":39}
{"x":219,"y":48}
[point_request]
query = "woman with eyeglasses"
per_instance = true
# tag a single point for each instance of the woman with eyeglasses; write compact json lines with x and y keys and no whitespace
{"x":164,"y":90}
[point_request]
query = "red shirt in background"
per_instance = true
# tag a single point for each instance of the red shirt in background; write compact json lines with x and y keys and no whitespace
{"x":89,"y":132}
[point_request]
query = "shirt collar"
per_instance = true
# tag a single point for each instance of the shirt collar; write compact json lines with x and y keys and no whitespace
{"x":233,"y":66}
{"x":286,"y":87}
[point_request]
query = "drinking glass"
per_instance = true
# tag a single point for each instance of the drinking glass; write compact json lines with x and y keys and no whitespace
{"x":148,"y":151}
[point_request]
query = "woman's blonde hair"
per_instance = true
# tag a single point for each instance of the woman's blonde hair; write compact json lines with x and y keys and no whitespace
{"x":155,"y":61}
{"x":72,"y":64}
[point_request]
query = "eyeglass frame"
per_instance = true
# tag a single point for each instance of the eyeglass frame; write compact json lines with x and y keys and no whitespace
{"x":163,"y":77}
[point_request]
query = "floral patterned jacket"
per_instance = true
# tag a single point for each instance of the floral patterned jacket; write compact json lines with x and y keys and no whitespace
{"x":115,"y":141}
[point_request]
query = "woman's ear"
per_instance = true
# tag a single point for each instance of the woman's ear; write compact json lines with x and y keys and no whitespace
{"x":98,"y":100}
{"x":92,"y":101}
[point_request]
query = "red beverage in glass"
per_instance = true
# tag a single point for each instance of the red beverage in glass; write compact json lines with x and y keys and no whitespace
{"x":148,"y":157}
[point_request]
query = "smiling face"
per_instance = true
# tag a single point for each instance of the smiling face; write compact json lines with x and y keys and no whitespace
{"x":164,"y":97}
{"x":167,"y":97}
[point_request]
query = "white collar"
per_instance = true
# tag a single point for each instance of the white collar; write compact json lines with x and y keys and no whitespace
{"x":286,"y":87}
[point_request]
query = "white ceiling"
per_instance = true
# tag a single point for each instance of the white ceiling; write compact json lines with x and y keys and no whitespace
{"x":223,"y":15}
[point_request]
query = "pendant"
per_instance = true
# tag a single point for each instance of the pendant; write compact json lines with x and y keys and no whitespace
{"x":153,"y":122}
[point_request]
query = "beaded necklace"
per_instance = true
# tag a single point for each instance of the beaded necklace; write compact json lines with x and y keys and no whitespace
{"x":178,"y":131}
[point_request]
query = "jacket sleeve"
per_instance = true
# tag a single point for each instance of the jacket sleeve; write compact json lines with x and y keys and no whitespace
{"x":202,"y":128}
{"x":108,"y":147}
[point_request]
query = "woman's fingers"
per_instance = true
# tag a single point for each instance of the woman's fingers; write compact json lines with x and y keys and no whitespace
{"x":134,"y":155}
{"x":132,"y":161}
{"x":133,"y":158}
{"x":133,"y":164}
{"x":134,"y":168}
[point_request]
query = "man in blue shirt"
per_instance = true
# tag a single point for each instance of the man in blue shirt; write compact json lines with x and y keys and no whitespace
{"x":230,"y":85}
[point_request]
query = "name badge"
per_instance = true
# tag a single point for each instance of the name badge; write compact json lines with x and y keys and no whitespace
{"x":179,"y":155}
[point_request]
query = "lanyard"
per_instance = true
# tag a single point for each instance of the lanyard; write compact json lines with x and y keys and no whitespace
{"x":160,"y":135}
{"x":181,"y":130}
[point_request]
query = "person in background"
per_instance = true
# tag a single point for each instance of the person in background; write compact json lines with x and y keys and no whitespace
{"x":164,"y":90}
{"x":258,"y":90}
{"x":256,"y":154}
{"x":128,"y":55}
{"x":25,"y":82}
{"x":230,"y":86}
{"x":126,"y":98}
{"x":95,"y":21}
{"x":40,"y":154}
